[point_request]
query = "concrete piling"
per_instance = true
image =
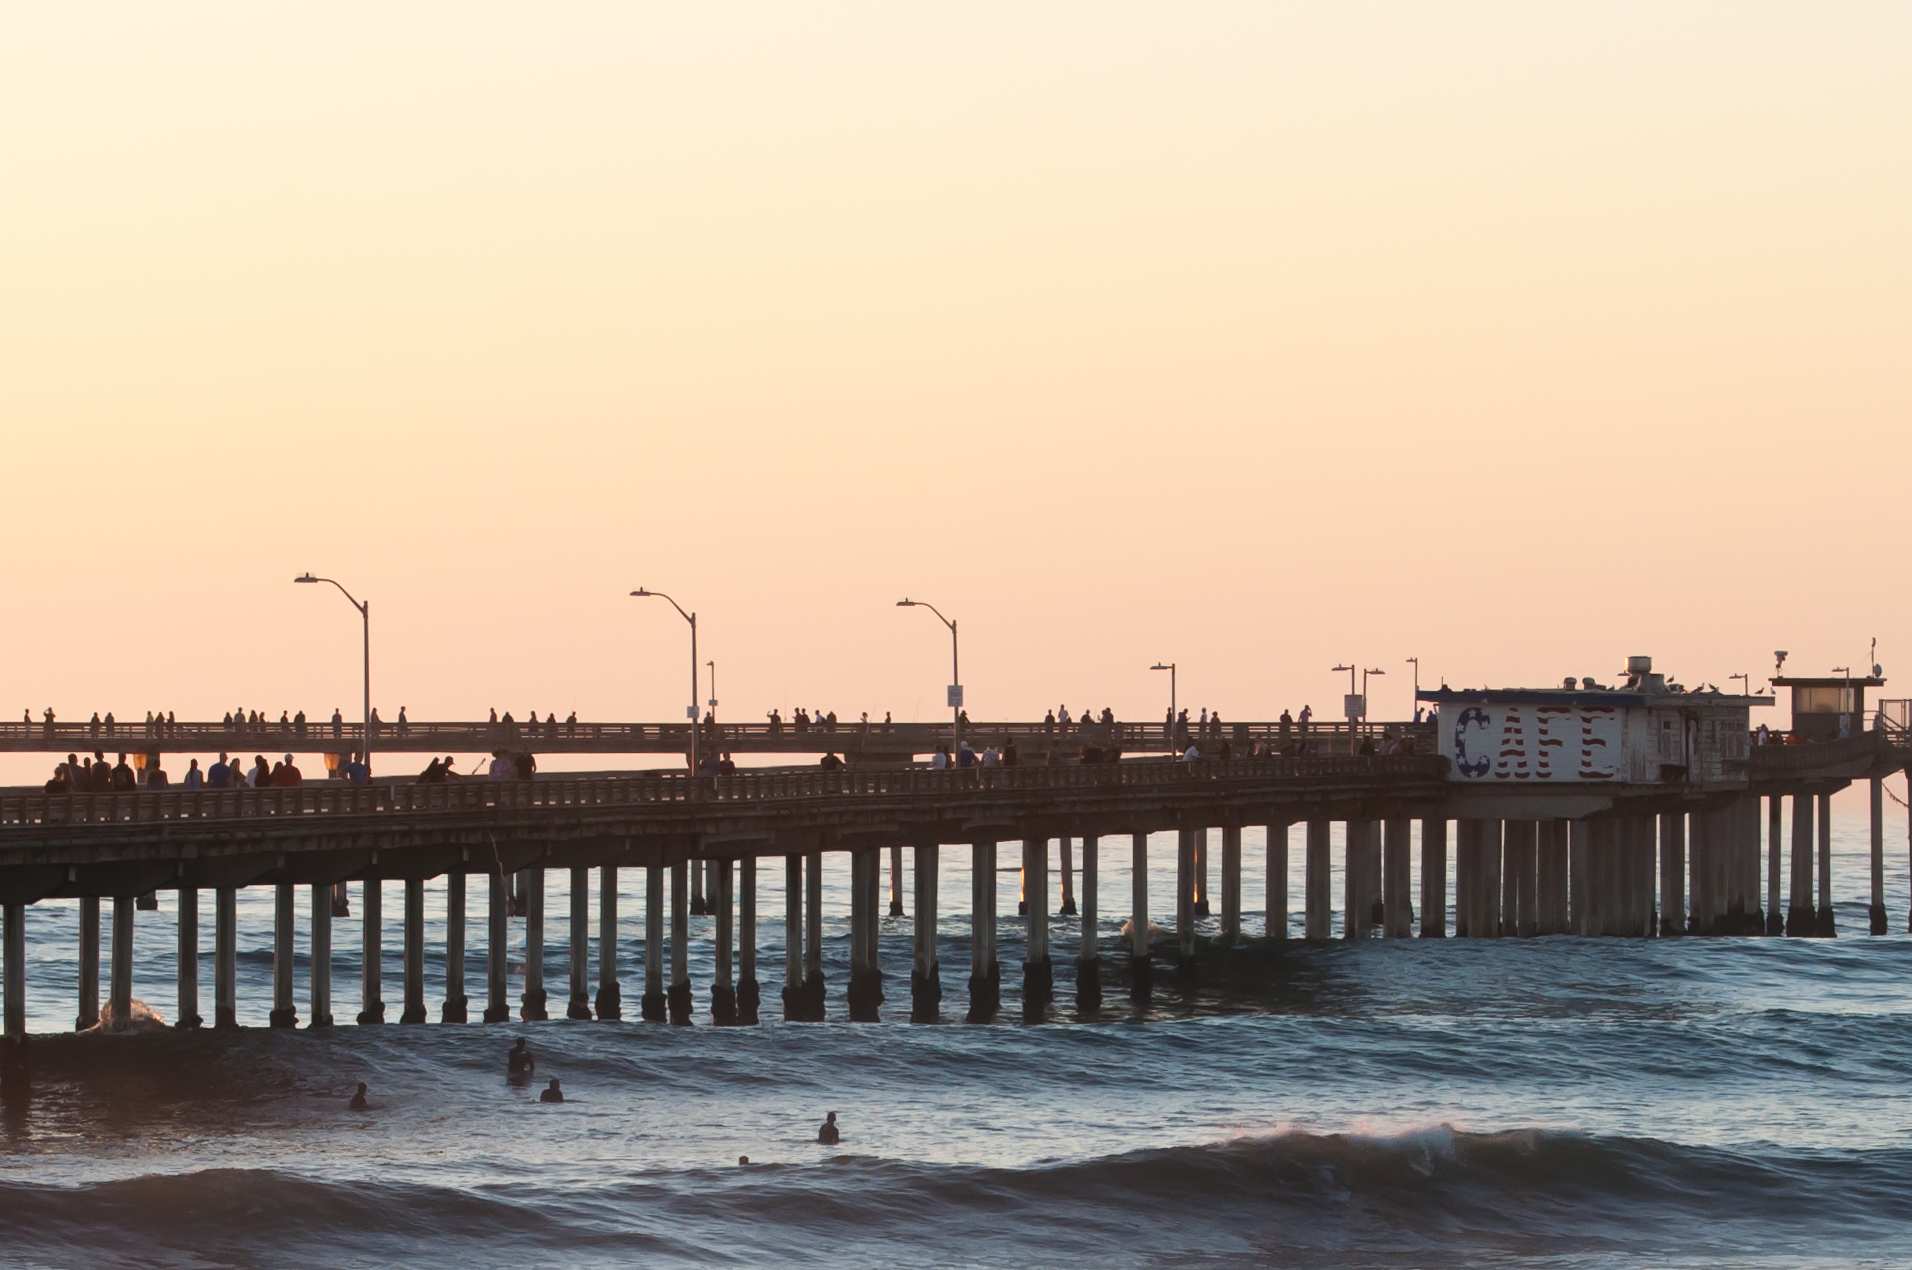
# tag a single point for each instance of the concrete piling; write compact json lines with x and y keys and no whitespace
{"x":1775,"y":903}
{"x":1064,"y":848}
{"x":864,"y":993}
{"x":813,"y":986}
{"x":1357,"y":894}
{"x":1823,"y":925}
{"x":1551,"y":880}
{"x":926,"y":972}
{"x":652,"y":1006}
{"x":1434,"y":877}
{"x":1318,"y":919}
{"x":1579,"y":884}
{"x":225,"y":957}
{"x":457,"y":1006}
{"x":1700,"y":891}
{"x":1672,"y":873}
{"x":534,"y":1003}
{"x":413,"y":1010}
{"x":1275,"y":882}
{"x":1089,"y":958}
{"x":896,"y":881}
{"x":497,"y":955}
{"x":1800,"y":916}
{"x":372,"y":925}
{"x":579,"y":1005}
{"x":89,"y":957}
{"x":187,"y":963}
{"x":699,"y":906}
{"x":723,"y":995}
{"x":610,"y":993}
{"x":985,"y":976}
{"x":1231,"y":884}
{"x":1198,"y":872}
{"x":1184,"y":899}
{"x":1523,"y":876}
{"x":120,"y":972}
{"x":1397,"y":890}
{"x":1038,"y":971}
{"x":14,"y":942}
{"x":678,"y":996}
{"x":749,"y":991}
{"x":319,"y":963}
{"x":283,"y":1012}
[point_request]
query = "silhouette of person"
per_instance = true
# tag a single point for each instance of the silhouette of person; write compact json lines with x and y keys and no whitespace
{"x":358,"y":1102}
{"x":827,"y":1133}
{"x":552,"y":1093}
{"x":519,"y":1062}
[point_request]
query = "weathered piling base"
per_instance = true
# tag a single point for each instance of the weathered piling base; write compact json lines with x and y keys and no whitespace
{"x":579,"y":1004}
{"x":225,"y":957}
{"x":1038,"y":989}
{"x":497,"y":969}
{"x":1433,"y":877}
{"x":749,"y":1000}
{"x":457,"y":1004}
{"x":985,"y":995}
{"x":653,"y":1005}
{"x":678,"y":998}
{"x":414,"y":1010}
{"x":610,"y":996}
{"x":283,"y":1013}
{"x":534,"y":1004}
{"x":319,"y":967}
{"x":1088,"y":986}
{"x":679,"y":1004}
{"x":865,"y":995}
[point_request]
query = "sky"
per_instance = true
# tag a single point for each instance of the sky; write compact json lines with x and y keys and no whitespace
{"x":1258,"y":337}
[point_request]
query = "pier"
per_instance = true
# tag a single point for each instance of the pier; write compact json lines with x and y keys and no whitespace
{"x":1733,"y":839}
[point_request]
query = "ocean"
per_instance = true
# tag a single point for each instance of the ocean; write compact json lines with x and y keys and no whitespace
{"x":1559,"y":1101}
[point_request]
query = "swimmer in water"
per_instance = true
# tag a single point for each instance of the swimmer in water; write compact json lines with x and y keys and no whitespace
{"x":827,"y":1134}
{"x":743,"y":1161}
{"x":552,"y":1093}
{"x":358,"y":1102}
{"x":519,"y":1062}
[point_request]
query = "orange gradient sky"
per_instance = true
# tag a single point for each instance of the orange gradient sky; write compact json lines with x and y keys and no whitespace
{"x":1255,"y":336}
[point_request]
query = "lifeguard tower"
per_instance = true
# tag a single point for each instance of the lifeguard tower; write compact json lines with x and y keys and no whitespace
{"x":1825,"y":708}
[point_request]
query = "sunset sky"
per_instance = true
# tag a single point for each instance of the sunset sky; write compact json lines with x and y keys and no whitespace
{"x":1254,"y":336}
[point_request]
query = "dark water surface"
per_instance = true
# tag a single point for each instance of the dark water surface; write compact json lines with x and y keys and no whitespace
{"x":1557,"y":1102}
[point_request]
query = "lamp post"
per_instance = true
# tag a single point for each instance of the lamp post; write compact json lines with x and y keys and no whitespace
{"x":364,"y":608}
{"x":1168,"y":730}
{"x":691,"y":709}
{"x":955,"y":667}
{"x":1745,"y":684}
{"x":1416,"y":663}
{"x":712,"y":667}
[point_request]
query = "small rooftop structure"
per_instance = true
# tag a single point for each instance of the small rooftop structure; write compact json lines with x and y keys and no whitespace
{"x":1825,"y":708}
{"x":1645,"y":731}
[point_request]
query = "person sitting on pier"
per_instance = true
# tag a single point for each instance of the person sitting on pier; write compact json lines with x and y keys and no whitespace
{"x":552,"y":1093}
{"x":519,"y":1061}
{"x":358,"y":1102}
{"x":827,"y":1133}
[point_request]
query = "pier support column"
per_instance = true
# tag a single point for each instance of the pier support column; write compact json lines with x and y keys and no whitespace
{"x":225,"y":957}
{"x":1775,"y":890}
{"x":1672,"y":873}
{"x":1646,"y":843}
{"x":1184,"y":898}
{"x":1523,"y":854}
{"x":1699,"y":891}
{"x":1749,"y":854}
{"x":14,"y":939}
{"x":677,"y":997}
{"x":896,"y":881}
{"x":1318,"y":920}
{"x":723,"y":996}
{"x":1579,"y":895}
{"x":319,"y":963}
{"x":926,"y":982}
{"x":1141,"y":977}
{"x":1550,"y":863}
{"x":749,"y":991}
{"x":1361,"y":870}
{"x":985,"y":974}
{"x":1275,"y":882}
{"x":283,"y":1012}
{"x":699,"y":906}
{"x":813,"y":986}
{"x":1823,"y":926}
{"x":120,"y":971}
{"x":1064,"y":849}
{"x":533,"y":1005}
{"x":414,"y":1007}
{"x":1433,"y":877}
{"x":579,"y":1006}
{"x":188,"y":959}
{"x":1089,"y":957}
{"x":1397,"y":889}
{"x":865,"y":992}
{"x":1877,"y":791}
{"x":371,"y":979}
{"x":1038,"y":971}
{"x":610,"y":994}
{"x":1231,"y":884}
{"x":652,"y":1006}
{"x":1513,"y":859}
{"x":1484,"y":881}
{"x":792,"y":937}
{"x":457,"y":1006}
{"x":1800,"y":917}
{"x":498,"y":939}
{"x":89,"y":1013}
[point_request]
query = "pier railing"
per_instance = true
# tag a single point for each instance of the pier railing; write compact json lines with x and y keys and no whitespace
{"x":479,"y":736}
{"x":333,"y":799}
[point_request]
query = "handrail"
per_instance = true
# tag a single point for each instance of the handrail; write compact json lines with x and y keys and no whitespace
{"x":335,"y":799}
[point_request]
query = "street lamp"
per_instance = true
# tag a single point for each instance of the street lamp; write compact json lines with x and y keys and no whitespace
{"x":1416,"y":663}
{"x":364,"y":608}
{"x":1745,"y":684}
{"x":1168,"y":730}
{"x":955,"y":665}
{"x":690,"y":711}
{"x":712,"y":667}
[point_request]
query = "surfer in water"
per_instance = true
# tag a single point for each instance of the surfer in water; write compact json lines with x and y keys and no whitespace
{"x":552,"y":1093}
{"x":519,"y":1062}
{"x":827,"y":1133}
{"x":358,"y":1102}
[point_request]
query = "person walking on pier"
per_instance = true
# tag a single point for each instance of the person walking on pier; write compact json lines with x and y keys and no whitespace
{"x":827,"y":1133}
{"x":123,"y":778}
{"x":288,"y":773}
{"x":195,"y":779}
{"x":261,"y":775}
{"x":338,"y":723}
